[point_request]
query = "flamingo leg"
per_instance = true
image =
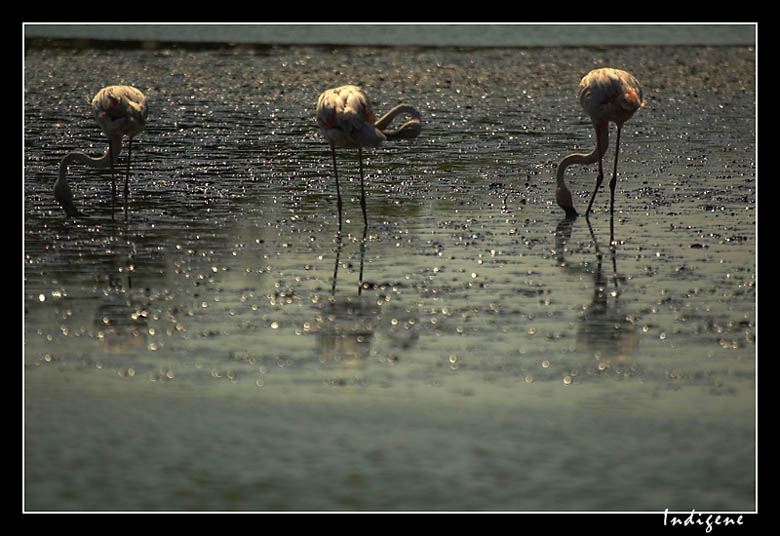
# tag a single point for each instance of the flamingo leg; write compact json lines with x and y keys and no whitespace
{"x":600,"y":176}
{"x":612,"y":184}
{"x":362,"y":191}
{"x":338,"y":190}
{"x":113,"y":182}
{"x":365,"y":222}
{"x":127,"y":174}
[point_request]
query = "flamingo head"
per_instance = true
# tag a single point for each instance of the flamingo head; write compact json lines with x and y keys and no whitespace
{"x":64,"y":197}
{"x":632,"y":100}
{"x":563,"y":198}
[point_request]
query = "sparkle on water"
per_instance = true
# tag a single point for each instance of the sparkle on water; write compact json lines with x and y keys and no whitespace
{"x":473,"y":321}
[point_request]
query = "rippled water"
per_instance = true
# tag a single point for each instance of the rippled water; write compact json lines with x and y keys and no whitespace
{"x":201,"y":355}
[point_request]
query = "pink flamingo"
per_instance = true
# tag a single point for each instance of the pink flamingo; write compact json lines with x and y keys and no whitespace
{"x":120,"y":111}
{"x":346,"y":119}
{"x":606,"y":95}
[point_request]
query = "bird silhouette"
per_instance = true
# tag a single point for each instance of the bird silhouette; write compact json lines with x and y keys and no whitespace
{"x":607,"y":95}
{"x":119,"y":111}
{"x":347,"y":120}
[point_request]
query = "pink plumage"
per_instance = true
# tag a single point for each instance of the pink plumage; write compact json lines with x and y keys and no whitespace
{"x":610,"y":95}
{"x":120,"y":110}
{"x":346,"y":119}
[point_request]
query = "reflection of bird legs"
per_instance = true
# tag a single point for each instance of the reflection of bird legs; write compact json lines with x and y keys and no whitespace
{"x":338,"y":254}
{"x":563,"y":234}
{"x":604,"y":328}
{"x":362,"y":256}
{"x":599,"y":254}
{"x":336,"y":265}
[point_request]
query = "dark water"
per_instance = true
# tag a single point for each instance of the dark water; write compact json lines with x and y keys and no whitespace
{"x":198,"y":357}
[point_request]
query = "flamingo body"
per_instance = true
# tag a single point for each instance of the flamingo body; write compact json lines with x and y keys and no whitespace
{"x":346,"y":120}
{"x":607,"y":95}
{"x":119,"y":111}
{"x":610,"y":95}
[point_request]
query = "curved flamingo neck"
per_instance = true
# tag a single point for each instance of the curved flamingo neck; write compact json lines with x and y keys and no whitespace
{"x":562,"y":194}
{"x":575,"y":158}
{"x":62,"y":192}
{"x":410,"y":129}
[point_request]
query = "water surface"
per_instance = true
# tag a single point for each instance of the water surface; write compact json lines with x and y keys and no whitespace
{"x":492,"y":356}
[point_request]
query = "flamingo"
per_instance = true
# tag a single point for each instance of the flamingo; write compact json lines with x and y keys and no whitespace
{"x":119,"y":111}
{"x":346,"y":119}
{"x":606,"y":95}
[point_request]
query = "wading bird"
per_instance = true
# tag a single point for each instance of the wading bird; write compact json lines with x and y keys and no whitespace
{"x":120,"y":111}
{"x":606,"y":95}
{"x":346,"y":120}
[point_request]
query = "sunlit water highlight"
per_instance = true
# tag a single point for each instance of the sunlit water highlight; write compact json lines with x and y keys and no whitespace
{"x":496,"y":357}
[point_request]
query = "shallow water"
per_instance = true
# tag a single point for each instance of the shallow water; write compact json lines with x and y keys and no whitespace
{"x":491,"y":356}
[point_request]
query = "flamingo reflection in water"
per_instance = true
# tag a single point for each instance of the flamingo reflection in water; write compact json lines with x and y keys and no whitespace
{"x":606,"y":332}
{"x":346,"y":332}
